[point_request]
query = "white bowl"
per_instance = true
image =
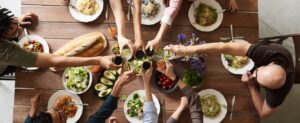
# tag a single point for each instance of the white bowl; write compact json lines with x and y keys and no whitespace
{"x":88,"y":86}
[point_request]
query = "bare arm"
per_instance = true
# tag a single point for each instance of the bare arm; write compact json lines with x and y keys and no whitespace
{"x":263,"y":109}
{"x":116,"y":6}
{"x":233,"y":48}
{"x":137,"y":23}
{"x":50,"y":60}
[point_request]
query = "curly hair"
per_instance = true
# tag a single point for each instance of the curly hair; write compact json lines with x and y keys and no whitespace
{"x":5,"y":20}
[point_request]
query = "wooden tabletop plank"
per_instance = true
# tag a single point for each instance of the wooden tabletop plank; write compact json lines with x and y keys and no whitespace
{"x":244,"y":19}
{"x":54,"y":30}
{"x":249,"y":5}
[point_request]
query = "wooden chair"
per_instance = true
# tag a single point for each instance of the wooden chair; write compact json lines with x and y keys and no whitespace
{"x":296,"y":41}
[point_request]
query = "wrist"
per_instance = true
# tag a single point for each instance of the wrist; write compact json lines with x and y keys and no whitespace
{"x":172,"y":77}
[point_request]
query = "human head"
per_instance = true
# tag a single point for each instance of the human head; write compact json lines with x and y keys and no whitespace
{"x":9,"y":27}
{"x":271,"y":76}
{"x":43,"y":117}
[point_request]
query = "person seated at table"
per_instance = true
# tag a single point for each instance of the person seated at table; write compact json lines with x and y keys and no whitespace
{"x":57,"y":116}
{"x":190,"y":99}
{"x":274,"y":69}
{"x":12,"y":55}
{"x":170,"y":14}
{"x":120,"y":19}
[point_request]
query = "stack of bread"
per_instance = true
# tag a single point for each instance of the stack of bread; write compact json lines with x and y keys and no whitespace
{"x":87,"y":45}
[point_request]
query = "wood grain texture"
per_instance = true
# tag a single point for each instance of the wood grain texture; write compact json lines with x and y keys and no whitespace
{"x":58,"y":27}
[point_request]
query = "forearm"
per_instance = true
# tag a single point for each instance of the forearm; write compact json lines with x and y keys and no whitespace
{"x":137,"y":20}
{"x":33,"y":111}
{"x":148,"y":94}
{"x":162,"y":30}
{"x":119,"y":15}
{"x":256,"y":98}
{"x":116,"y":89}
{"x":194,"y":104}
{"x":234,"y":48}
{"x":49,"y":60}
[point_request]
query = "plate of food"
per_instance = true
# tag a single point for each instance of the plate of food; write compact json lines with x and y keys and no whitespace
{"x":86,"y":10}
{"x":205,"y":15}
{"x":36,"y":44}
{"x":107,"y":79}
{"x":213,"y":106}
{"x":237,"y":64}
{"x":133,"y":106}
{"x":66,"y":102}
{"x":152,"y":11}
{"x":77,"y":80}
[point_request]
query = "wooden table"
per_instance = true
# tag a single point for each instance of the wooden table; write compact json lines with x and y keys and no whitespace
{"x":57,"y":27}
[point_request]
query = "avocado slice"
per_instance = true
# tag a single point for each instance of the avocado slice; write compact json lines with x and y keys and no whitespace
{"x":100,"y":87}
{"x":106,"y":81}
{"x":109,"y":75}
{"x":104,"y":93}
{"x":113,"y":72}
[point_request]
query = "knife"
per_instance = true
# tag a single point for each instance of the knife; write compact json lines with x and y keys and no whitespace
{"x":129,"y":9}
{"x":228,"y":38}
{"x":232,"y":105}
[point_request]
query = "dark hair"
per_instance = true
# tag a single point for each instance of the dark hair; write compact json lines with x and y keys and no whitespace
{"x":42,"y":117}
{"x":5,"y":20}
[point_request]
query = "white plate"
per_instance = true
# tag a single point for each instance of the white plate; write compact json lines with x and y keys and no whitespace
{"x":75,"y":98}
{"x":38,"y":39}
{"x":237,"y":71}
{"x":82,"y":17}
{"x":212,"y":3}
{"x":87,"y":87}
{"x":221,"y":99}
{"x":141,"y":93}
{"x":157,"y":18}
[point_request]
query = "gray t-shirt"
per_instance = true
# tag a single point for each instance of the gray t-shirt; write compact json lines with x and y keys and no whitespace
{"x":12,"y":54}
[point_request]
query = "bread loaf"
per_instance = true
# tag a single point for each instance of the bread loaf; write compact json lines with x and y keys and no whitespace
{"x":87,"y":45}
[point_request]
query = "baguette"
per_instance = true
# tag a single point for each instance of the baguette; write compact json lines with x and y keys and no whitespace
{"x":91,"y":44}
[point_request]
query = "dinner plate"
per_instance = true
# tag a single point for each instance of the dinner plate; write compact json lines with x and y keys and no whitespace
{"x":82,"y":17}
{"x":221,"y":99}
{"x":76,"y":100}
{"x":157,"y":18}
{"x":38,"y":39}
{"x":212,"y":3}
{"x":141,"y":93}
{"x":237,"y":71}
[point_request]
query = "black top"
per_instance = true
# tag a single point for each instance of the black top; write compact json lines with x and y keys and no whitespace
{"x":263,"y":54}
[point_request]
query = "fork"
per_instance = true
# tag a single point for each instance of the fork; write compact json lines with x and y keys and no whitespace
{"x":129,"y":9}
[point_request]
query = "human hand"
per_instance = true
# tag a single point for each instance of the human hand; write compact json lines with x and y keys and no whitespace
{"x":65,"y":1}
{"x":232,"y":6}
{"x":27,"y":19}
{"x":35,"y":100}
{"x":147,"y":76}
{"x":123,"y":41}
{"x":168,"y":70}
{"x":126,"y":77}
{"x":179,"y":50}
{"x":139,"y":44}
{"x":152,"y":43}
{"x":106,"y":62}
{"x":246,"y":77}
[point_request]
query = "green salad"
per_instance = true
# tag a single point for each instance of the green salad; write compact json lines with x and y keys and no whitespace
{"x":191,"y":78}
{"x":210,"y":105}
{"x":205,"y":15}
{"x":135,"y":106}
{"x":76,"y":79}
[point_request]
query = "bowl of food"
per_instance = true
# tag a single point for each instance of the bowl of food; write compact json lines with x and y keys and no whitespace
{"x":152,"y":11}
{"x":77,"y":79}
{"x":34,"y":43}
{"x":214,"y":105}
{"x":66,"y":102}
{"x":133,"y":106}
{"x":86,"y":10}
{"x":205,"y":15}
{"x":163,"y":83}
